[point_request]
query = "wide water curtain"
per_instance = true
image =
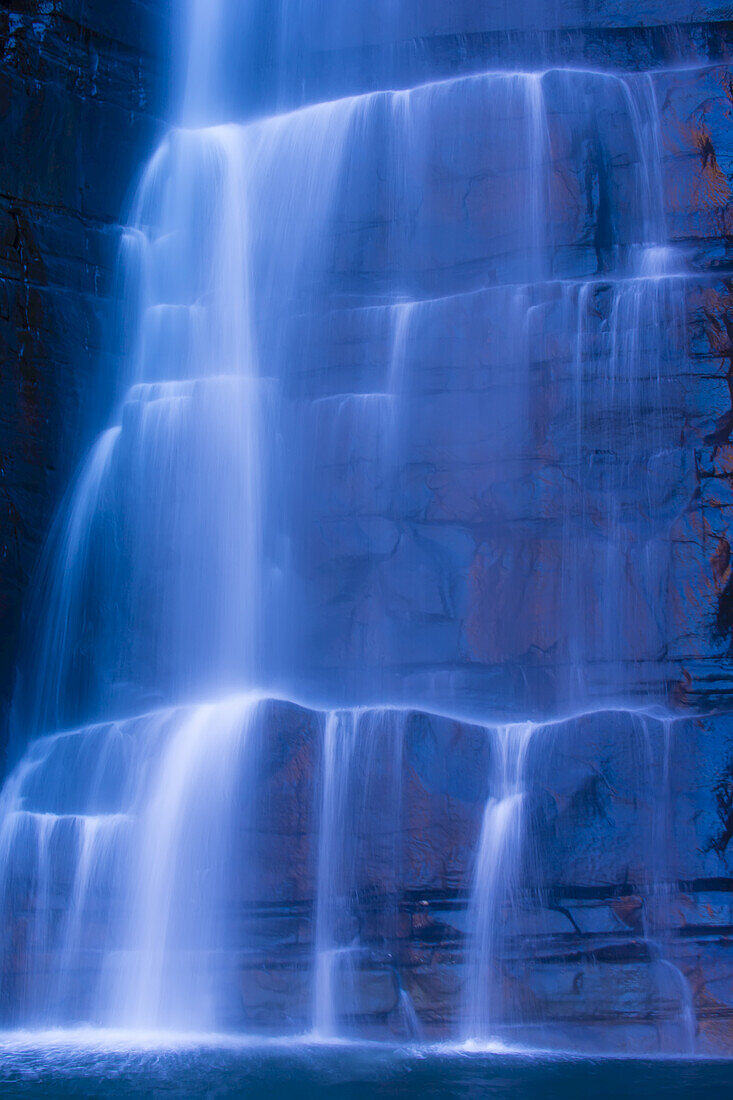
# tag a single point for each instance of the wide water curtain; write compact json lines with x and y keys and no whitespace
{"x":385,"y":497}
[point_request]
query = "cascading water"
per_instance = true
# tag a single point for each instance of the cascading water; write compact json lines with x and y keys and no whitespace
{"x":327,"y":479}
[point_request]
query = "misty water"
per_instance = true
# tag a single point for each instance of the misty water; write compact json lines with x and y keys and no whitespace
{"x":129,"y":1068}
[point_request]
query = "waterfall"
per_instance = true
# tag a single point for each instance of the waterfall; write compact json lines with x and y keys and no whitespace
{"x":334,"y":482}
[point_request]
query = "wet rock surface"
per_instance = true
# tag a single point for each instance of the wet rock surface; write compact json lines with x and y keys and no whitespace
{"x":81,"y":91}
{"x":493,"y":520}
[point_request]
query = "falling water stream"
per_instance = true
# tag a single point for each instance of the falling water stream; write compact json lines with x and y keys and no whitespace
{"x":497,"y":873}
{"x":331,"y":297}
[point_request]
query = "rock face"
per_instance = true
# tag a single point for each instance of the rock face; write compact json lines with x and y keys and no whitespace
{"x":556,"y":512}
{"x":617,"y":938}
{"x":81,"y":91}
